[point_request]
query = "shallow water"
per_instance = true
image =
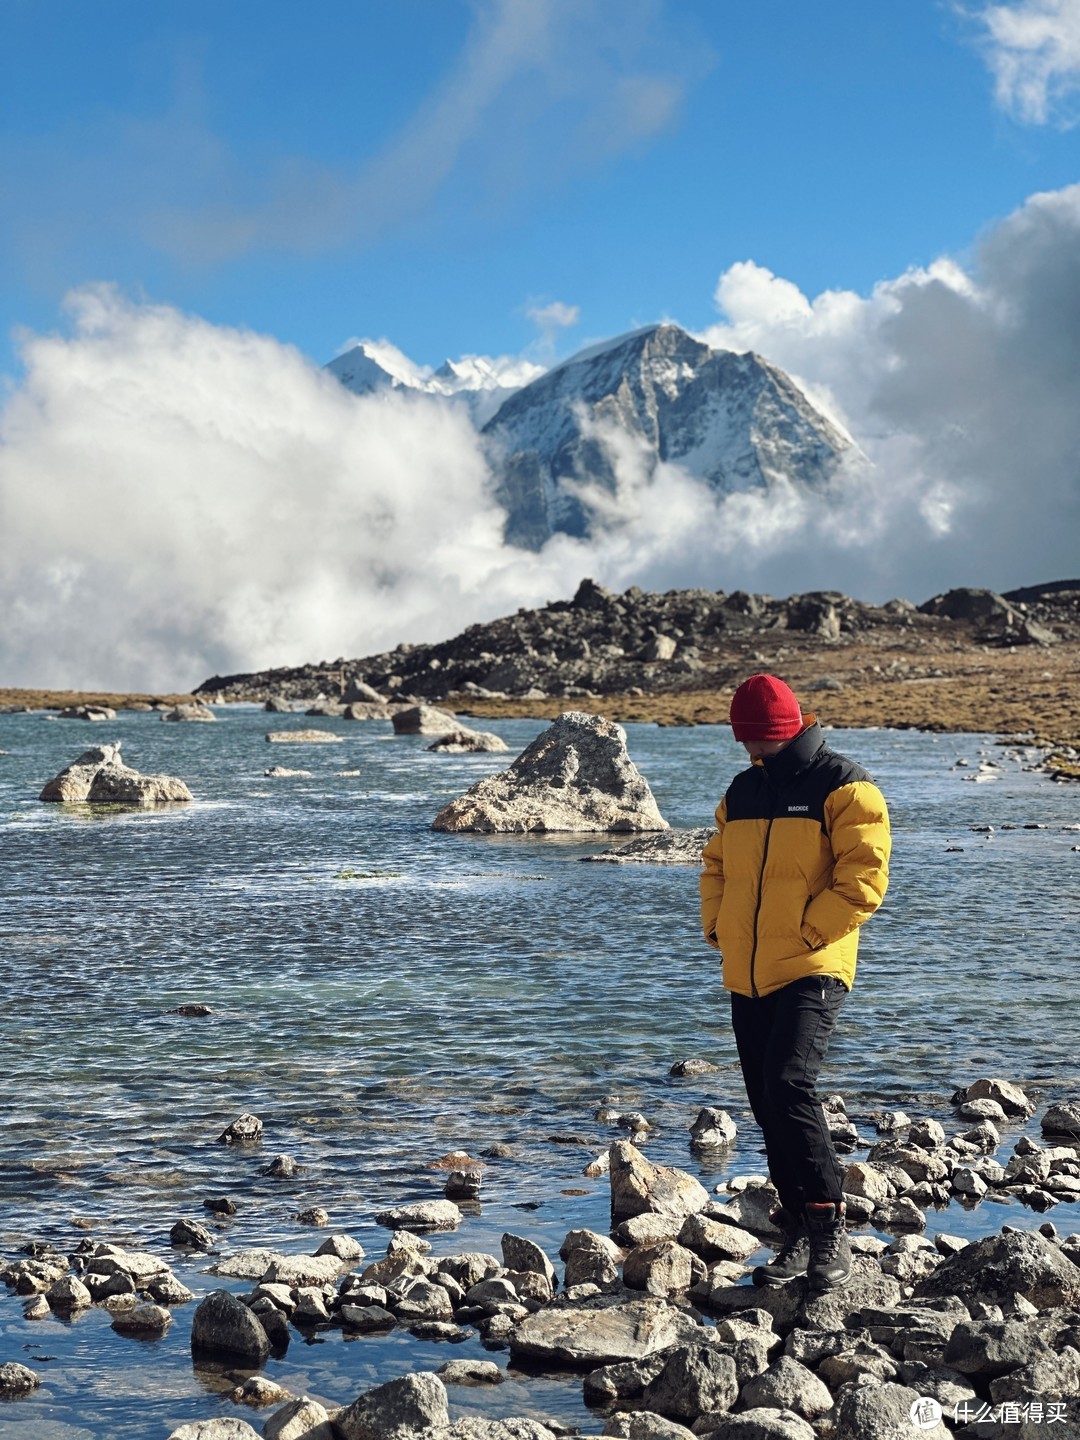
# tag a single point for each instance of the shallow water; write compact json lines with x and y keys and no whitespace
{"x":383,"y":994}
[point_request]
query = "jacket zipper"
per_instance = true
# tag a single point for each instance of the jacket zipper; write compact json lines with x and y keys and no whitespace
{"x":757,"y":907}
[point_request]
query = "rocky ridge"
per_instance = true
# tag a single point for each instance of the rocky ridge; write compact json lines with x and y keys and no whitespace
{"x":639,"y":644}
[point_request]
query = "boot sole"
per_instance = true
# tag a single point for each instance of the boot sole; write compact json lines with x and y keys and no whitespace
{"x":828,"y":1286}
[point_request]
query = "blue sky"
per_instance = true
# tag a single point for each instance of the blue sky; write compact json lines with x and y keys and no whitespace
{"x":432,"y":170}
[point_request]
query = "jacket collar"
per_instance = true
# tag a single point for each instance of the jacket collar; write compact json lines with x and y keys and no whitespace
{"x":795,"y":757}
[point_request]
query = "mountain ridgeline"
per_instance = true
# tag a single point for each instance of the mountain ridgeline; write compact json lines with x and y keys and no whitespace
{"x":730,"y":420}
{"x":643,"y":643}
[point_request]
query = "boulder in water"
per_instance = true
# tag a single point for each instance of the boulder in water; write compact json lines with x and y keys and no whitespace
{"x":575,"y":776}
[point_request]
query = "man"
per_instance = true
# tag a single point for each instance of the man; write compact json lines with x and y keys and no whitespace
{"x":798,"y":862}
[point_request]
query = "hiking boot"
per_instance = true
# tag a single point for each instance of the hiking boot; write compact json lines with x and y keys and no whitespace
{"x":830,"y":1250}
{"x":792,"y":1257}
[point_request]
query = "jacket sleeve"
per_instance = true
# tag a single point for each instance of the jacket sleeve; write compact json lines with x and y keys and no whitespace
{"x":857,"y":822}
{"x":712,"y":877}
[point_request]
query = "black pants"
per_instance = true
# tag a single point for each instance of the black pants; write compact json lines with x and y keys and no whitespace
{"x":782,"y":1038}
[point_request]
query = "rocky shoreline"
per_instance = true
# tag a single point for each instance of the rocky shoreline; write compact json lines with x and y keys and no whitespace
{"x":655,"y":1317}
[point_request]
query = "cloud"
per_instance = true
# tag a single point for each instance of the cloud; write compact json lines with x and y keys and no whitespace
{"x":1033,"y":50}
{"x":179,"y":498}
{"x":961,"y":387}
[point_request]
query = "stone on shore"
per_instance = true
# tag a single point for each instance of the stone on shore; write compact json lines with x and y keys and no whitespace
{"x":223,"y":1325}
{"x":1063,"y":1119}
{"x":222,"y":1427}
{"x":671,"y":847}
{"x":357,"y":690}
{"x":282,"y":772}
{"x":299,"y":1270}
{"x":396,"y":1410}
{"x":300,"y":1419}
{"x":195,"y":712}
{"x":246,"y":1129}
{"x":638,"y":1186}
{"x":712,"y":1127}
{"x":575,"y":777}
{"x":998,"y":1268}
{"x":86,"y":712}
{"x":424,"y":720}
{"x":645,"y":1425}
{"x":601,"y":1332}
{"x":467,"y":742}
{"x":696,"y":1379}
{"x":302,"y":737}
{"x":758,"y":1424}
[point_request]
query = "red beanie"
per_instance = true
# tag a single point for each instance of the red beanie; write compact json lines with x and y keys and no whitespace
{"x":764,"y":708}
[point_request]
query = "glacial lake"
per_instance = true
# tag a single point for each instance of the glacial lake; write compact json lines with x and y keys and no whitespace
{"x":383,"y":995}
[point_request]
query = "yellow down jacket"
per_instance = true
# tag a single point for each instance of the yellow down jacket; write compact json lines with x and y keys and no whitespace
{"x":799,"y":861}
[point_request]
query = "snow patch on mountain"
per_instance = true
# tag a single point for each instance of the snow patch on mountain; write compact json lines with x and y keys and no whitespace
{"x":731,"y":420}
{"x":482,"y":382}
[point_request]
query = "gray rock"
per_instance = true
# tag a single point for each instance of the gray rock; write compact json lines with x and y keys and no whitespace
{"x":647,"y":1229}
{"x":224,"y":1427}
{"x":756,"y":1425}
{"x":471,"y":1372}
{"x":302,"y":737}
{"x":515,"y":1427}
{"x":190,"y":1235}
{"x":246,"y":1264}
{"x":282,"y":1167}
{"x":599,"y":1332}
{"x":424,"y":720}
{"x":139,"y":1264}
{"x":987,"y":1347}
{"x":195,"y":712}
{"x":695,"y":1379}
{"x":751,"y":1210}
{"x":168,"y":1290}
{"x":302,"y":1419}
{"x":366,"y":1318}
{"x":357,"y":689}
{"x":712,"y":1127}
{"x":643,"y":1425}
{"x":275,"y":705}
{"x":1063,"y":1119}
{"x":716,"y":1239}
{"x":16,"y":1379}
{"x":880,"y":1412}
{"x":1048,"y":1376}
{"x":668,"y":847}
{"x":86,"y":712}
{"x":246,"y":1129}
{"x":518,"y":1253}
{"x":639,"y":1186}
{"x":787,"y":1385}
{"x":298,"y":1270}
{"x":426,"y":1215}
{"x":622,"y":1381}
{"x":462,"y":741}
{"x":999,"y":1267}
{"x":591,"y":1259}
{"x":662,"y":1269}
{"x":396,"y":1410}
{"x":142,"y":1320}
{"x":867,"y":1180}
{"x":694,"y":1064}
{"x":68,"y":1293}
{"x":576,"y":776}
{"x":1009,"y":1096}
{"x":342,"y":1247}
{"x":223,"y":1325}
{"x":72,"y":785}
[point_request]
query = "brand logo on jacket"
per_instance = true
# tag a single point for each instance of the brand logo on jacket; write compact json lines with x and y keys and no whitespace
{"x":798,"y":809}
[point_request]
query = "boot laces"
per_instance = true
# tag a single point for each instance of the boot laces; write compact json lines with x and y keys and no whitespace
{"x":794,"y":1240}
{"x":826,"y":1244}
